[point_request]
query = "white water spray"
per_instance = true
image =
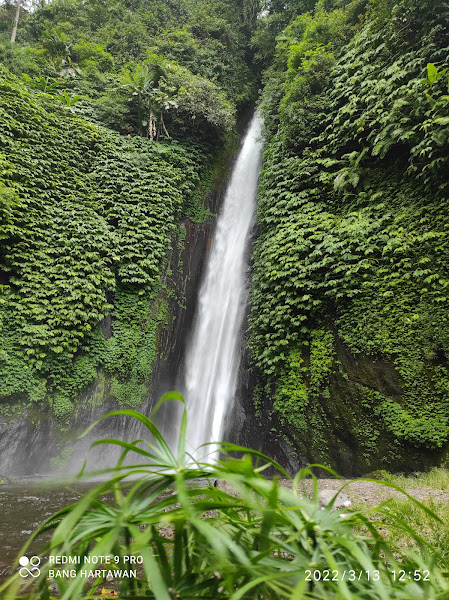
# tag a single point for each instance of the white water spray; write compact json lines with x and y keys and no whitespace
{"x":213,"y":355}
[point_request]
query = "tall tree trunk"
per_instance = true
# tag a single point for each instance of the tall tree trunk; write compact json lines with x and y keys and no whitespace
{"x":16,"y":22}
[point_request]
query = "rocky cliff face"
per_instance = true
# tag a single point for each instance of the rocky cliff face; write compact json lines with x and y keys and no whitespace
{"x":33,"y":441}
{"x":341,"y":429}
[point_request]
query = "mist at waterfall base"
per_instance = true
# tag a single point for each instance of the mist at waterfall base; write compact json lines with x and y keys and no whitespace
{"x":213,"y":353}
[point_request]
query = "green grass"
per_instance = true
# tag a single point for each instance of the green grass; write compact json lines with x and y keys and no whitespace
{"x":197,"y":541}
{"x":437,"y":479}
{"x":435,"y":532}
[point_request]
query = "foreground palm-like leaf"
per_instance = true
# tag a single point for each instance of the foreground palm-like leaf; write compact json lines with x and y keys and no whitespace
{"x":258,"y":539}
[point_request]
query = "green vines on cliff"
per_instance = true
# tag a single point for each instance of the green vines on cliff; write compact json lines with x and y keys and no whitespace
{"x":292,"y":396}
{"x":354,"y":247}
{"x":86,"y":217}
{"x":130,"y":352}
{"x":301,"y":384}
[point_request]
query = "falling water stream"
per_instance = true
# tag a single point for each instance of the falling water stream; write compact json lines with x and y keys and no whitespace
{"x":212,"y":359}
{"x":213,"y":355}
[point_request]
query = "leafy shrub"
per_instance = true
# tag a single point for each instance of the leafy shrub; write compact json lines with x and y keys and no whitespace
{"x":157,"y":92}
{"x":255,"y":539}
{"x":24,"y":59}
{"x":62,"y":408}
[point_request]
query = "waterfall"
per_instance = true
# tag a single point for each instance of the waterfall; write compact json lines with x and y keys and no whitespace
{"x":213,"y":356}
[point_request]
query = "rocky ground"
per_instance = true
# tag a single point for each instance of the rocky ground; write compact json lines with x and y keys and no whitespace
{"x":358,"y":492}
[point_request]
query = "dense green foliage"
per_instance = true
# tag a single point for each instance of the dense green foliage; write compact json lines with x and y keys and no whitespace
{"x":93,"y":51}
{"x":87,"y":219}
{"x":349,"y":323}
{"x":354,"y":247}
{"x":87,"y":215}
{"x":254,"y":539}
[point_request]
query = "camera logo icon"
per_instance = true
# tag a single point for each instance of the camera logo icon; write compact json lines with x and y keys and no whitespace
{"x":29,"y":566}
